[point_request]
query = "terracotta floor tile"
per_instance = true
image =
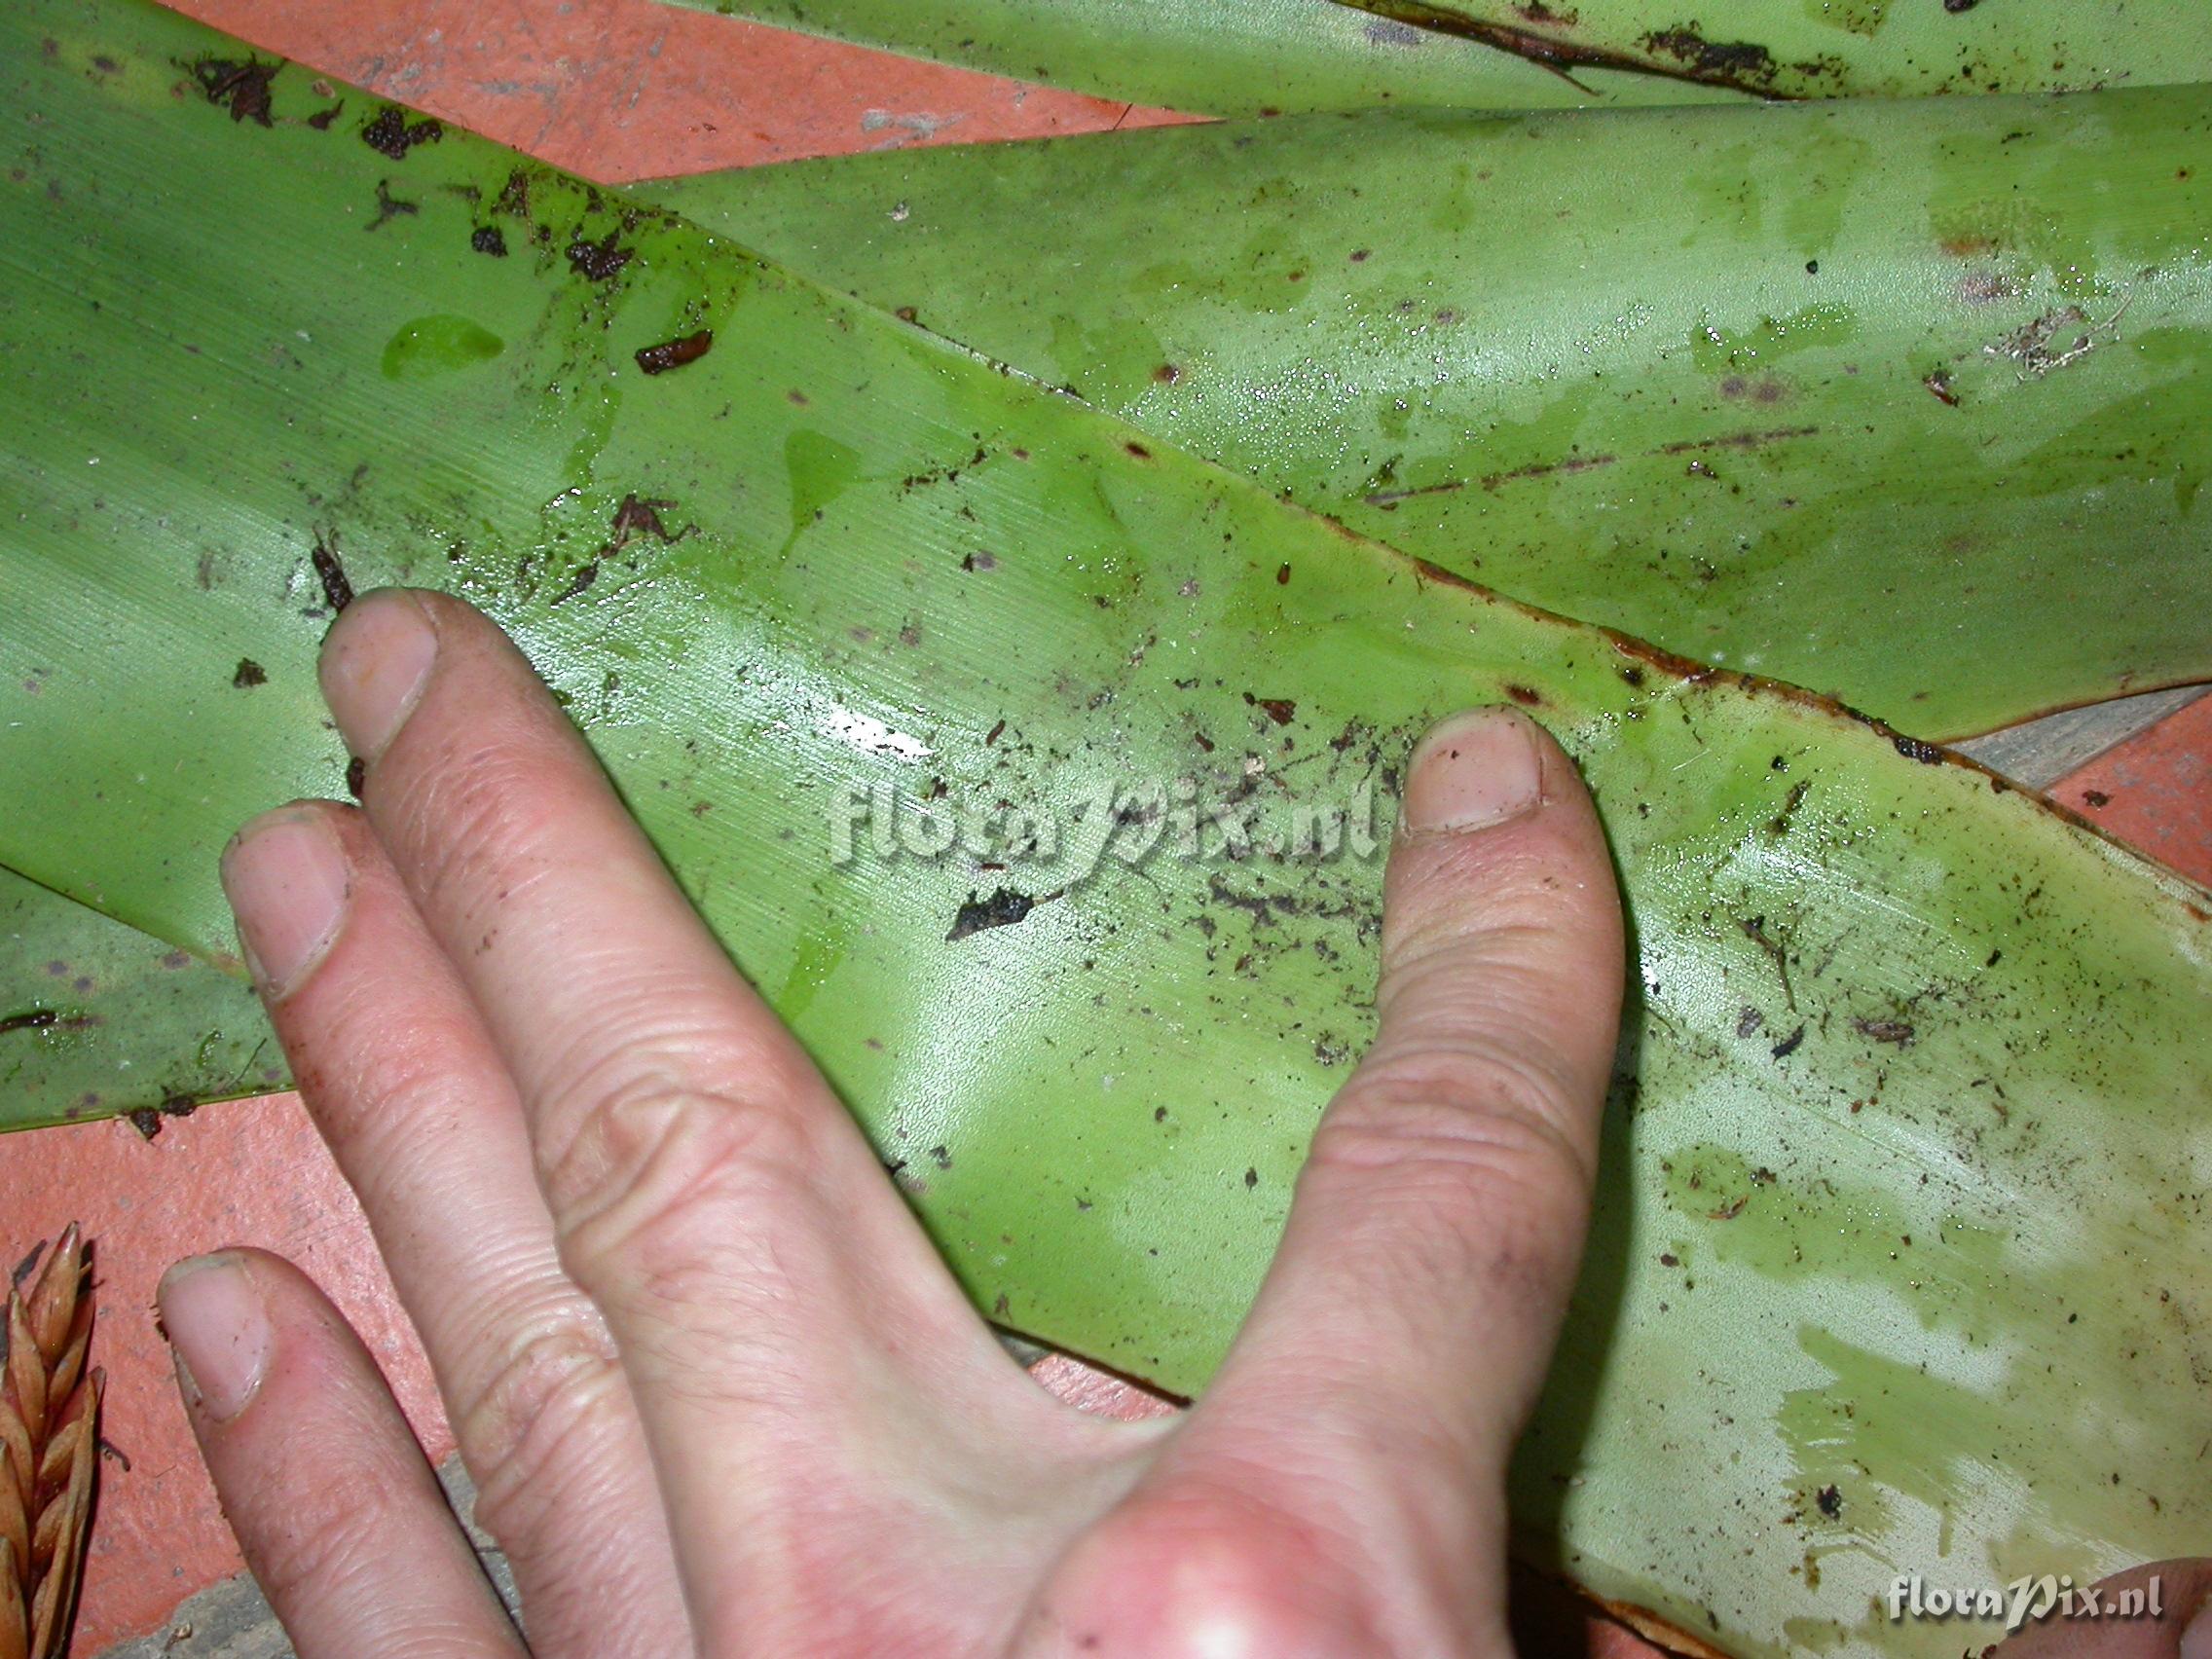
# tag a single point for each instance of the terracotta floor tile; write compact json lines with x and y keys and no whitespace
{"x":619,"y":89}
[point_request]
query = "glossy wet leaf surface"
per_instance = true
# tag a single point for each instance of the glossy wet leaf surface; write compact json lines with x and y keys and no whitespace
{"x":1901,"y":402}
{"x":1848,"y":1237}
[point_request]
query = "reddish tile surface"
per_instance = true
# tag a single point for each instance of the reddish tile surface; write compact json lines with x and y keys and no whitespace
{"x":2155,"y":792}
{"x":619,"y":90}
{"x":251,"y":1172}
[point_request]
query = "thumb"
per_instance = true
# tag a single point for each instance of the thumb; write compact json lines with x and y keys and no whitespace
{"x":2108,"y":1622}
{"x":1439,"y":1220}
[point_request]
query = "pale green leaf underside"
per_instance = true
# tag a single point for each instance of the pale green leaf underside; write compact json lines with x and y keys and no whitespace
{"x":1280,"y":56}
{"x":98,"y":1019}
{"x":1904,"y":403}
{"x":896,"y":565}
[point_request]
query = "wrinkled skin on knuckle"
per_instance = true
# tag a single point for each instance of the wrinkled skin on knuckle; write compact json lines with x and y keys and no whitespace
{"x":688,"y":1206}
{"x":1472,"y":1137}
{"x":529,"y":1427}
{"x":656,"y":1034}
{"x":1496,"y":981}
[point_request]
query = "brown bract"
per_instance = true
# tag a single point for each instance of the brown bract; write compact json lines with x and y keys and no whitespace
{"x":50,"y":1443}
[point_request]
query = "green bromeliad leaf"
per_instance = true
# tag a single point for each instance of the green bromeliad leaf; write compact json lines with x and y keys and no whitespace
{"x":1904,"y":403}
{"x":1276,"y":56}
{"x":97,"y":1019}
{"x":1856,"y":1294}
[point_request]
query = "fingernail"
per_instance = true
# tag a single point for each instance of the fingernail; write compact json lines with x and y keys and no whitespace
{"x":1471,"y":771}
{"x":2196,"y":1639}
{"x":218,"y":1330}
{"x":287,"y":879}
{"x":375,"y":660}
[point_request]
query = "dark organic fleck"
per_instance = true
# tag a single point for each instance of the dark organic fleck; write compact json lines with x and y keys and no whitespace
{"x":393,"y":134}
{"x":356,"y":777}
{"x":1282,"y":576}
{"x":1001,"y":910}
{"x":335,"y":587}
{"x":1956,"y":6}
{"x":1525,"y":695}
{"x":243,"y":86}
{"x":1912,"y":749}
{"x":146,"y":1120}
{"x":1280,"y":710}
{"x":1939,"y":385}
{"x":2096,"y":797}
{"x":1251,"y":1179}
{"x":674,"y":353}
{"x":249,"y":675}
{"x":1750,"y":1022}
{"x":1895,"y":1031}
{"x":1789,"y":1045}
{"x":491,"y":239}
{"x":583,"y":578}
{"x":389,"y":206}
{"x":598,"y":260}
{"x":322,"y":117}
{"x":639,"y":517}
{"x":1735,"y":61}
{"x":38,"y":1020}
{"x":1830,"y":1499}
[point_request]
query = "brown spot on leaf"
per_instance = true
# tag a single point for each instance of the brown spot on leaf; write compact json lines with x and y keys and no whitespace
{"x":674,"y":353}
{"x":242,"y":87}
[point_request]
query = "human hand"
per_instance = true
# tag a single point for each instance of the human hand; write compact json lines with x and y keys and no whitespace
{"x":717,"y":1389}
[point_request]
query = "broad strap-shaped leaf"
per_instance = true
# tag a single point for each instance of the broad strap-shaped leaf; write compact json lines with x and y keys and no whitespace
{"x":1277,"y":56}
{"x":1849,"y":1237}
{"x":97,"y":1019}
{"x":1903,"y":402}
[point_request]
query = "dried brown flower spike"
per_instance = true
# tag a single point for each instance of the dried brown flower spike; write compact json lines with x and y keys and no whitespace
{"x":50,"y":1410}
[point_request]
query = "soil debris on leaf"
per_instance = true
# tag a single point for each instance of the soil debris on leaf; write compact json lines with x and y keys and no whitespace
{"x":336,"y":589}
{"x":250,"y":673}
{"x":392,"y":133}
{"x":674,"y":353}
{"x":243,"y":88}
{"x":491,"y":239}
{"x":1003,"y":908}
{"x":638,"y":516}
{"x":389,"y":206}
{"x":599,"y":261}
{"x":585,"y":575}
